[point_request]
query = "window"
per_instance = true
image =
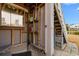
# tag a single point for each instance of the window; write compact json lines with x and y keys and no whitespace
{"x":5,"y":18}
{"x":16,"y":20}
{"x":11,"y":19}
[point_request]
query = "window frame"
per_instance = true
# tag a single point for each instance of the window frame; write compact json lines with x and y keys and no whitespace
{"x":10,"y":17}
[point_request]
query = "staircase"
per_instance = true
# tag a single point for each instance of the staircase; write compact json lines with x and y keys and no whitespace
{"x":60,"y":27}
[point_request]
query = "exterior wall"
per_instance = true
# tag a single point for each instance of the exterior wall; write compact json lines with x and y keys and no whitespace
{"x":5,"y":38}
{"x":42,"y":30}
{"x":16,"y":35}
{"x":49,"y":30}
{"x":5,"y":35}
{"x":24,"y":37}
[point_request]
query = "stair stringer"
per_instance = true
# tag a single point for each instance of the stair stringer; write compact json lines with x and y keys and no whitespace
{"x":61,"y":19}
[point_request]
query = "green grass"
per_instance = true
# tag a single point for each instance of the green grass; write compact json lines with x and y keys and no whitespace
{"x":73,"y":32}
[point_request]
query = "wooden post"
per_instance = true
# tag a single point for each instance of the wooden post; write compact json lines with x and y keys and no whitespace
{"x":3,"y":6}
{"x":0,"y":13}
{"x":35,"y":15}
{"x":21,"y":36}
{"x":12,"y":40}
{"x":39,"y":15}
{"x":33,"y":27}
{"x":49,"y":30}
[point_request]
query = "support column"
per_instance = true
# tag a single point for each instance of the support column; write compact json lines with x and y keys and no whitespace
{"x":12,"y":38}
{"x":49,"y":30}
{"x":21,"y":37}
{"x":0,"y":13}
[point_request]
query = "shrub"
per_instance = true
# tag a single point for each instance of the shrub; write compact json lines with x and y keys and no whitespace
{"x":73,"y":32}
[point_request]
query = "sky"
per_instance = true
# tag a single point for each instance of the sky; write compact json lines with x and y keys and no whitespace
{"x":71,"y":13}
